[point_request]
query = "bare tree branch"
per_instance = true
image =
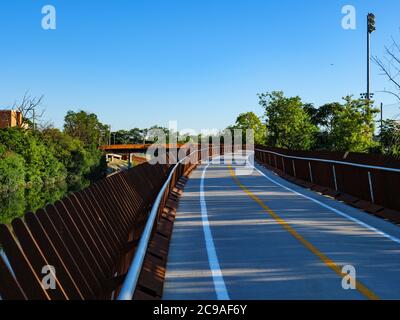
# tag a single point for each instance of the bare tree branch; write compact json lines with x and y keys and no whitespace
{"x":390,"y":66}
{"x":30,"y":109}
{"x":392,"y":93}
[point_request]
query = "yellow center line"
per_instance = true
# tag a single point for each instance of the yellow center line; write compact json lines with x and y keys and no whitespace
{"x":328,"y":262}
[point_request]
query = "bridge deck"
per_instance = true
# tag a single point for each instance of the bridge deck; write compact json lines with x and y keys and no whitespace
{"x":250,"y":237}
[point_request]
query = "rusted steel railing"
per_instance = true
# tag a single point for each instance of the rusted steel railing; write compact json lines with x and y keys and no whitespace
{"x":85,"y":243}
{"x":371,"y":178}
{"x":128,"y":289}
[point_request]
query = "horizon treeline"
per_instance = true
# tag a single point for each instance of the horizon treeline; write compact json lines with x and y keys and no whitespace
{"x":349,"y":126}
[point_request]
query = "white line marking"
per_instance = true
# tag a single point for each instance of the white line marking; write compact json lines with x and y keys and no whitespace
{"x":219,"y":284}
{"x":365,"y":225}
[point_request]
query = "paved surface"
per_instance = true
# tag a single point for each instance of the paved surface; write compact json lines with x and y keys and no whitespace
{"x":249,"y":237}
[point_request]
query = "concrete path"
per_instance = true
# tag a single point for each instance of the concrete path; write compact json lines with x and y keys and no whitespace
{"x":257,"y":236}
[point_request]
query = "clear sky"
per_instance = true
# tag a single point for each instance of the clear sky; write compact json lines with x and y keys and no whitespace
{"x":137,"y":63}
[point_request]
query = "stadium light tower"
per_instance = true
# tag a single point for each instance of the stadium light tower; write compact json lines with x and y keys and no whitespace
{"x":371,"y":28}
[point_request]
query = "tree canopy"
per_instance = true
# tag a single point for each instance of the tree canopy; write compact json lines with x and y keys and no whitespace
{"x":31,"y":160}
{"x":292,"y":124}
{"x":288,"y":124}
{"x":250,"y":121}
{"x":353,"y":126}
{"x":87,"y":128}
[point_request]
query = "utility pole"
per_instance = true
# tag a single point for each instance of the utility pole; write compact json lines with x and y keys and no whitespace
{"x":33,"y":119}
{"x":381,"y":116}
{"x":109,"y":137}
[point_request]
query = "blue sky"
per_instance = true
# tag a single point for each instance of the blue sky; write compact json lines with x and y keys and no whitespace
{"x":137,"y":63}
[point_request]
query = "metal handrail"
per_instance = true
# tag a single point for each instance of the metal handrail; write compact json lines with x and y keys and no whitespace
{"x":332,"y":161}
{"x":130,"y":283}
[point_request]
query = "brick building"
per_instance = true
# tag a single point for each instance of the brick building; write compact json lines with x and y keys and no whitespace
{"x":10,"y":118}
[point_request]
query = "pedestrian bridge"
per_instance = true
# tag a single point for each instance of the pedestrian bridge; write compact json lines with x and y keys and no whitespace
{"x":258,"y":236}
{"x":220,"y":226}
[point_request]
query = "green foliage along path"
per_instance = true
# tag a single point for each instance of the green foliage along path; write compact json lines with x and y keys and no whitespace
{"x":39,"y":167}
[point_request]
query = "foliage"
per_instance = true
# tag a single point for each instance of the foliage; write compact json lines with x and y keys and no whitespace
{"x":12,"y":205}
{"x":353,"y":126}
{"x":87,"y":128}
{"x":133,"y":136}
{"x":288,"y":124}
{"x":35,"y":163}
{"x":82,"y":164}
{"x":323,"y":118}
{"x":41,"y":166}
{"x":390,"y":138}
{"x":12,"y":171}
{"x":148,"y":135}
{"x":250,"y":121}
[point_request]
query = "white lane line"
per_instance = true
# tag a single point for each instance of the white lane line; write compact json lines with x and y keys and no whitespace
{"x":363,"y":224}
{"x":218,"y":279}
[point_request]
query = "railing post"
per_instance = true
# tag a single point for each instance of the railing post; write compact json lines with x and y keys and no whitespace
{"x":334,"y":178}
{"x":294,"y":169}
{"x":371,"y":187}
{"x":311,"y":174}
{"x":283,"y":164}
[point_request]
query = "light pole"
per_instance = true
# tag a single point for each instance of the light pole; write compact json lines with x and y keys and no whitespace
{"x":370,"y":28}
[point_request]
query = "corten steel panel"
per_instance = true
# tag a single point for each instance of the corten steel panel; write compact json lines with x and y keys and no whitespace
{"x":391,"y":186}
{"x":53,"y":258}
{"x":278,"y":163}
{"x":92,"y":218}
{"x":100,"y":223}
{"x":47,"y":236}
{"x":351,"y":180}
{"x":60,"y":235}
{"x":80,"y":241}
{"x":36,"y":257}
{"x":104,"y":220}
{"x":27,"y":277}
{"x":302,"y":170}
{"x":89,"y":233}
{"x":9,"y":288}
{"x":288,"y":166}
{"x":362,"y":158}
{"x":323,"y":174}
{"x":114,"y":206}
{"x":88,"y":236}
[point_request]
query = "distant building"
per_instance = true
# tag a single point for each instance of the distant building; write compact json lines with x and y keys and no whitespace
{"x":10,"y":119}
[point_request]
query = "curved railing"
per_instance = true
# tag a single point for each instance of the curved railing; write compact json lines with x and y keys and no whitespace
{"x":129,"y":286}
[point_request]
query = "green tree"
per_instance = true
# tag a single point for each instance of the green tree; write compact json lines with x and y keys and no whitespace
{"x":92,"y":133}
{"x":121,"y":137}
{"x":12,"y":205}
{"x":288,"y":124}
{"x":87,"y":128}
{"x":390,"y":138}
{"x":12,"y":171}
{"x":41,"y":166}
{"x":77,"y":160}
{"x":323,"y":118}
{"x":353,"y":126}
{"x":136,"y":135}
{"x":250,"y":120}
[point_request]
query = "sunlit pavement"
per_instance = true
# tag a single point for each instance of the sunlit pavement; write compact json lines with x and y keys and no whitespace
{"x":289,"y":254}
